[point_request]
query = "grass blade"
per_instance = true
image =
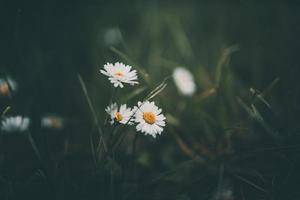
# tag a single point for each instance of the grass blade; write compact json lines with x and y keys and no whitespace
{"x":157,"y":90}
{"x":224,"y":60}
{"x":34,"y":147}
{"x":5,"y":111}
{"x":251,"y":183}
{"x":92,"y":110}
{"x":255,"y":114}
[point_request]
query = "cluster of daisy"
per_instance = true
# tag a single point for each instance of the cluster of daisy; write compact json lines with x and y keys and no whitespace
{"x":147,"y":117}
{"x":18,"y":123}
{"x":8,"y":86}
{"x":15,"y":124}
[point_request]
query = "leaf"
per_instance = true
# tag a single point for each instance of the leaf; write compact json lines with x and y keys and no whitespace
{"x":262,"y":122}
{"x":205,"y":94}
{"x":255,"y":114}
{"x":260,"y":97}
{"x":244,"y":105}
{"x":224,"y":60}
{"x":271,"y":86}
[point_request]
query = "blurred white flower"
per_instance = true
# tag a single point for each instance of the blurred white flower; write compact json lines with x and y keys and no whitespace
{"x":15,"y":124}
{"x":52,"y":121}
{"x":121,"y":115}
{"x":7,"y":86}
{"x":227,"y":195}
{"x":224,"y":194}
{"x":149,"y":118}
{"x":112,"y":36}
{"x":119,"y":74}
{"x":184,"y":81}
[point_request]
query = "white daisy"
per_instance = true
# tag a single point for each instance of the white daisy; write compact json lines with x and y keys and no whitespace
{"x":119,"y":74}
{"x":149,"y":118}
{"x":7,"y":86}
{"x":184,"y":81}
{"x":52,"y":121}
{"x":15,"y":124}
{"x":121,"y":115}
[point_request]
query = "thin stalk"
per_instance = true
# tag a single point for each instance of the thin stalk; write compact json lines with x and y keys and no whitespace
{"x":34,"y":147}
{"x":5,"y":111}
{"x":92,"y":111}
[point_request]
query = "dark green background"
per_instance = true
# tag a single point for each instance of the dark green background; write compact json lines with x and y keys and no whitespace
{"x":45,"y":44}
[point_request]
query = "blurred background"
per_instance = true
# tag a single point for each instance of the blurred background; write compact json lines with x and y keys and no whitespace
{"x":237,"y":137}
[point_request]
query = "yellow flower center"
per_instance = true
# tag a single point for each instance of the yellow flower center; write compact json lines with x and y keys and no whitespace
{"x":149,"y":117}
{"x":4,"y":89}
{"x":118,"y":116}
{"x":56,"y":123}
{"x":120,"y":74}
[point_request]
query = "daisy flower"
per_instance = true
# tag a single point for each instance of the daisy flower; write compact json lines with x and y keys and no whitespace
{"x":149,"y":118}
{"x":15,"y":124}
{"x":7,"y":86}
{"x":184,"y":81}
{"x":52,"y":121}
{"x":119,"y":74}
{"x":121,"y":115}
